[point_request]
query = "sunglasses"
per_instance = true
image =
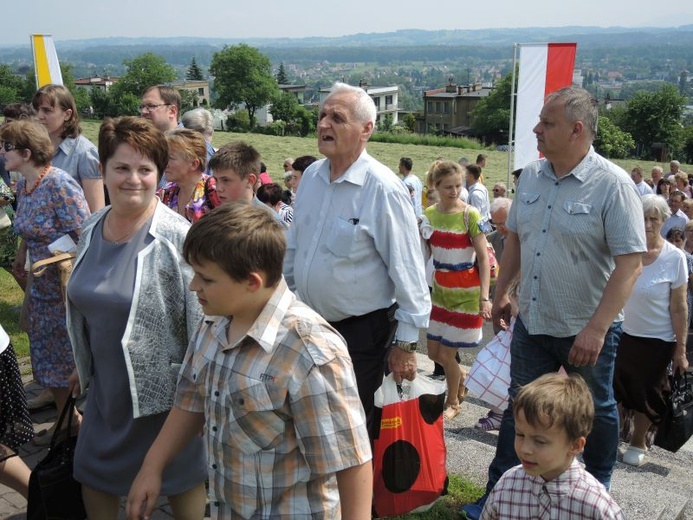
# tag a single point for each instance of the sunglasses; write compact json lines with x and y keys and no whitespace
{"x":8,"y":147}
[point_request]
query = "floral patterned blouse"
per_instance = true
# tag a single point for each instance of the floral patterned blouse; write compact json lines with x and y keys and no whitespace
{"x":203,"y":200}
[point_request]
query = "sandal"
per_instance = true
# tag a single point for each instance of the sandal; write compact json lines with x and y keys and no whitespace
{"x":491,"y":422}
{"x":451,"y":411}
{"x":462,"y":391}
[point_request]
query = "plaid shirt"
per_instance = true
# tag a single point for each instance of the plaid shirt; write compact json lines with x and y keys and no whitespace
{"x":573,"y":495}
{"x":282,"y":412}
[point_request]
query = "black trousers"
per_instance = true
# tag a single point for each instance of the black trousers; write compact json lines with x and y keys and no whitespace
{"x":368,"y":338}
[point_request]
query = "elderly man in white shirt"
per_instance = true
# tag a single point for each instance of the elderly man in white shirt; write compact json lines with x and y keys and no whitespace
{"x":353,"y":250}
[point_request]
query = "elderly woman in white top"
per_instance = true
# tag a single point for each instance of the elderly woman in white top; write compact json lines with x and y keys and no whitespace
{"x":654,"y":330}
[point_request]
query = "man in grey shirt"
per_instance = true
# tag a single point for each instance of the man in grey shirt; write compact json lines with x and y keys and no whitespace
{"x":576,"y":236}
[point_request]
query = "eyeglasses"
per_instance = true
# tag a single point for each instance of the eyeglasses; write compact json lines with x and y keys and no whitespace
{"x":152,"y":108}
{"x":8,"y":147}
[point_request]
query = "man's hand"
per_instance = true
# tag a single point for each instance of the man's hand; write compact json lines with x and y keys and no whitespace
{"x":680,"y":361}
{"x":586,"y":348}
{"x":500,"y":313}
{"x":402,"y":364}
{"x":143,"y":495}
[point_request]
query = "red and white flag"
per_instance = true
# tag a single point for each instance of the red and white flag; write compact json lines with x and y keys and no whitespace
{"x":544,"y":68}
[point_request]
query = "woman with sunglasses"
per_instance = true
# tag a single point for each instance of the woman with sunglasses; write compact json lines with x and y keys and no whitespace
{"x":50,"y":204}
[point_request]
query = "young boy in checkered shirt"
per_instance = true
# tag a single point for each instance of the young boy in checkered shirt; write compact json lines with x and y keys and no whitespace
{"x":553,"y":416}
{"x":269,"y":381}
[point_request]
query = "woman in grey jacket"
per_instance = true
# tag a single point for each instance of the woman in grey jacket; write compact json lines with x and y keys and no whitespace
{"x":130,"y":315}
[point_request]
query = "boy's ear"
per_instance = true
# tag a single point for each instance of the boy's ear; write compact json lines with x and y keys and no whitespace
{"x":255,"y":282}
{"x":577,"y":446}
{"x":252,"y":179}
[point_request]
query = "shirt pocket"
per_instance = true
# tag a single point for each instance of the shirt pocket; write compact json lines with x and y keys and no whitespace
{"x":342,"y":236}
{"x":577,"y":217}
{"x":256,"y":418}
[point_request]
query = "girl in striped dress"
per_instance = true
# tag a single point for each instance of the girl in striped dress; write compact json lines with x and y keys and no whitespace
{"x":461,"y":281}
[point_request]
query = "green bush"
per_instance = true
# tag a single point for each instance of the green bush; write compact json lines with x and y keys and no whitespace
{"x":426,"y":140}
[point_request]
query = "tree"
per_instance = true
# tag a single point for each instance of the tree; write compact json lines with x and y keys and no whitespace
{"x":282,"y":79}
{"x":491,"y":116}
{"x":194,"y":72}
{"x":188,"y":100}
{"x":688,"y":144}
{"x":11,"y":86}
{"x":284,"y":107}
{"x":611,"y":141}
{"x":655,"y":117}
{"x":243,"y":75}
{"x":143,"y":71}
{"x":410,"y":122}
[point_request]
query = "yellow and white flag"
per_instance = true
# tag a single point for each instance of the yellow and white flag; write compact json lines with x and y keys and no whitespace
{"x":46,"y":63}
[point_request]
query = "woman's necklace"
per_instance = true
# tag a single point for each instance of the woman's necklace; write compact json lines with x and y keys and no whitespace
{"x":130,"y":231}
{"x":183,"y":203}
{"x":38,"y":180}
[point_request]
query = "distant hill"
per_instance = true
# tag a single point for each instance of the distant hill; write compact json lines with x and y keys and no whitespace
{"x":406,"y":44}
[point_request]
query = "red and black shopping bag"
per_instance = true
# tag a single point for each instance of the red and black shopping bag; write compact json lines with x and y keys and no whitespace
{"x":409,"y":451}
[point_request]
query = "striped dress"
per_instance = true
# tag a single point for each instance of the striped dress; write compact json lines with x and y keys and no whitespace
{"x":455,"y":320}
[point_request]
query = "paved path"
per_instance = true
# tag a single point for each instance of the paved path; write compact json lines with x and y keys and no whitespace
{"x":659,"y":489}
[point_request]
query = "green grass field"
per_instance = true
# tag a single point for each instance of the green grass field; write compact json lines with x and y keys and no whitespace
{"x":275,"y":149}
{"x":11,"y":297}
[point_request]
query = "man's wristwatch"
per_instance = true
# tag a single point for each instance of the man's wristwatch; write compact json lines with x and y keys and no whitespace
{"x":407,"y":346}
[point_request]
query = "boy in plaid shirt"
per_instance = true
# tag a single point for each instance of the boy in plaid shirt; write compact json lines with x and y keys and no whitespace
{"x":270,"y":382}
{"x":553,"y":416}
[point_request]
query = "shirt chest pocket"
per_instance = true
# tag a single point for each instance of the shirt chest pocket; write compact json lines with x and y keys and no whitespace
{"x":342,"y":236}
{"x":576,"y":218}
{"x":256,"y":415}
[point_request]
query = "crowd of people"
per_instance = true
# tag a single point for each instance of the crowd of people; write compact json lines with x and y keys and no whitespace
{"x":205,"y":297}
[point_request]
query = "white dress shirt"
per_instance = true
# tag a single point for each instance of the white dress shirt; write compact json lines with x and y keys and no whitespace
{"x":354,"y":248}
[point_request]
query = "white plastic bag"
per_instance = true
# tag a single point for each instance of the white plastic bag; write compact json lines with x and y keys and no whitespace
{"x":489,"y":377}
{"x":388,"y":393}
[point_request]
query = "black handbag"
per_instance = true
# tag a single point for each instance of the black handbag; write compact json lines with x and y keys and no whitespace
{"x":54,"y":494}
{"x":677,"y":424}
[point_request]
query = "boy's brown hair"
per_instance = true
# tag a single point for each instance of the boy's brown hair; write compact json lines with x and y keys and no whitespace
{"x":241,"y":238}
{"x":555,"y":399}
{"x":237,"y":156}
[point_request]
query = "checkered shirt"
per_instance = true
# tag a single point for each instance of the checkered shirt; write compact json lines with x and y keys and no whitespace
{"x":282,"y":412}
{"x":573,"y":495}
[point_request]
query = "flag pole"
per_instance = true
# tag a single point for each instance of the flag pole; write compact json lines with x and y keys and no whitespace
{"x":511,"y":133}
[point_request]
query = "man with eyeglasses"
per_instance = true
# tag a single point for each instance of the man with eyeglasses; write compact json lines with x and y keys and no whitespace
{"x":161,"y":105}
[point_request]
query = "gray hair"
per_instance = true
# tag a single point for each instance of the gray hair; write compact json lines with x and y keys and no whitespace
{"x":200,"y":120}
{"x":656,"y":203}
{"x":579,"y":106}
{"x":675,"y":163}
{"x":364,"y":109}
{"x":500,"y":203}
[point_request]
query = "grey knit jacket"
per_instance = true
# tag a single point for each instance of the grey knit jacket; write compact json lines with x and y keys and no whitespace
{"x":163,"y":317}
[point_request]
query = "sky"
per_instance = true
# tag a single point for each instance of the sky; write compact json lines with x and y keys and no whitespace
{"x":80,"y":19}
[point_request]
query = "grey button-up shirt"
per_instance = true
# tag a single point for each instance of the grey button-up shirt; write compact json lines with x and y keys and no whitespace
{"x":570,"y":230}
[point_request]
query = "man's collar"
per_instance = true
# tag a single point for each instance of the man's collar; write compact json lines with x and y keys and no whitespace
{"x":580,"y":172}
{"x":354,"y":174}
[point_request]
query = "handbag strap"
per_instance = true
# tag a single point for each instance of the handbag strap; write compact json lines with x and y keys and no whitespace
{"x":68,"y":410}
{"x":36,"y":266}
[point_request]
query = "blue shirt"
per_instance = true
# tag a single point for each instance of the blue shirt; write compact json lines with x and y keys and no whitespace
{"x":79,"y":157}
